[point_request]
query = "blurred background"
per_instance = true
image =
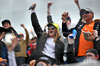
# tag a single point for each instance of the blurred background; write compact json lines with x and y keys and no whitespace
{"x":17,"y":11}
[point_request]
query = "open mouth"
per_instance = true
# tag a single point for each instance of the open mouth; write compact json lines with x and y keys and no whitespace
{"x":51,"y":31}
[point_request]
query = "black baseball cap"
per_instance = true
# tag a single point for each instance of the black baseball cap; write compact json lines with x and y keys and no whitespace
{"x":6,"y":21}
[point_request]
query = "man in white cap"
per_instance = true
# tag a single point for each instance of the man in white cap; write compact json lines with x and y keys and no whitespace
{"x":85,"y":38}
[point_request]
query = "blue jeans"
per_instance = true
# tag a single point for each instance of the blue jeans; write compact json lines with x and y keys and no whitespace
{"x":80,"y":58}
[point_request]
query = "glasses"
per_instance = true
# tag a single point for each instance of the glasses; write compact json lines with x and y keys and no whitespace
{"x":51,"y":28}
{"x":86,"y":12}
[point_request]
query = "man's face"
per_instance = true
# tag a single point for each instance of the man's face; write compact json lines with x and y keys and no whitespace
{"x":6,"y":25}
{"x":21,"y":38}
{"x":52,"y":31}
{"x":89,"y":54}
{"x":86,"y":15}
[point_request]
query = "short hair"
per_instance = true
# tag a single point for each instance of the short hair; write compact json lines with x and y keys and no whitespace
{"x":94,"y":51}
{"x":6,"y":21}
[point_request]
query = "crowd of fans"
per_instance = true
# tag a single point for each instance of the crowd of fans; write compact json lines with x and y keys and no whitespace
{"x":51,"y":45}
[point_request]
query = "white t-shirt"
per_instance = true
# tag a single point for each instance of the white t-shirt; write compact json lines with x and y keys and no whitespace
{"x":49,"y":49}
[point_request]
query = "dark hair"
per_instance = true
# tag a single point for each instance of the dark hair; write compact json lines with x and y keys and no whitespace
{"x":5,"y":21}
{"x":33,"y":38}
{"x":94,"y":51}
{"x":44,"y":59}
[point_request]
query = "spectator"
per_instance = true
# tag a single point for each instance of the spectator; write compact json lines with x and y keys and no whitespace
{"x":21,"y":56}
{"x":32,"y":46}
{"x":6,"y":29}
{"x":82,"y":44}
{"x":90,"y":53}
{"x":47,"y":44}
{"x":7,"y":25}
{"x":49,"y":20}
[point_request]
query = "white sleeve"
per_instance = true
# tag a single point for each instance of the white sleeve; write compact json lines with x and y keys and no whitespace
{"x":33,"y":11}
{"x":11,"y":58}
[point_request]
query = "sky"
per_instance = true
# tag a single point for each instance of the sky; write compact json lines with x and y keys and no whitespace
{"x":17,"y":11}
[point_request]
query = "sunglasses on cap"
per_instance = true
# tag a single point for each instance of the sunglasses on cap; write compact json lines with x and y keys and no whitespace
{"x":86,"y":12}
{"x":51,"y":28}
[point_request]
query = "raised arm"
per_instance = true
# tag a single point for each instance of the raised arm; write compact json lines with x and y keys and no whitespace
{"x":65,"y":30}
{"x":77,"y":3}
{"x":70,"y":54}
{"x":49,"y":17}
{"x":27,"y":34}
{"x":35,"y":23}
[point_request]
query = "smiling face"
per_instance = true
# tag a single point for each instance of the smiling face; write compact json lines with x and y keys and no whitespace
{"x":86,"y":15}
{"x":52,"y":31}
{"x":6,"y":25}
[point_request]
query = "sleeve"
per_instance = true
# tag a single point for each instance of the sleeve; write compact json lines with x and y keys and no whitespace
{"x":27,"y":36}
{"x":0,"y":47}
{"x":49,"y":19}
{"x":70,"y":56}
{"x":65,"y":30}
{"x":97,"y":43}
{"x":97,"y":39}
{"x":36,"y":25}
{"x":15,"y":32}
{"x":11,"y":57}
{"x":17,"y":48}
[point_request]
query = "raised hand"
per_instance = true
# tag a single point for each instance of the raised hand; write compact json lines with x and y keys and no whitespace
{"x":32,"y":7}
{"x":64,"y":17}
{"x":76,"y":1}
{"x":32,"y":63}
{"x":22,"y":25}
{"x":48,"y":7}
{"x":50,"y":4}
{"x":2,"y":35}
{"x":71,"y":41}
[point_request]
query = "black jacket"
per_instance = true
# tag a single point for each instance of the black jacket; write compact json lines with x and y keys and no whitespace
{"x":41,"y":40}
{"x":70,"y":55}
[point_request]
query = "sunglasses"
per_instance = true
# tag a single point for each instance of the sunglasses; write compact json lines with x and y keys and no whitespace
{"x":86,"y":12}
{"x":51,"y":28}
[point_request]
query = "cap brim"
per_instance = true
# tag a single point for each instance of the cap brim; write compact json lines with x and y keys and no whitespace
{"x":50,"y":24}
{"x":82,"y":10}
